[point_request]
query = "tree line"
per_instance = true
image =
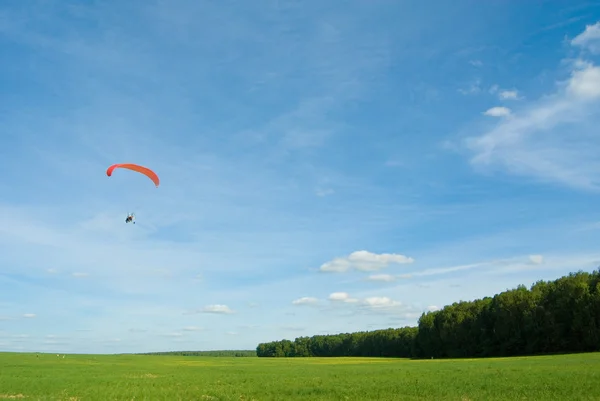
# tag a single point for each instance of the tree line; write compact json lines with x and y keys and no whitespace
{"x":227,"y":353}
{"x":560,"y":316}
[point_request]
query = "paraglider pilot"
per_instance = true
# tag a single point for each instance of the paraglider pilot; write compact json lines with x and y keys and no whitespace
{"x":130,"y":218}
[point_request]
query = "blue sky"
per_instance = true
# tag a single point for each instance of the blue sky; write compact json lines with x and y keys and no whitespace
{"x":324,"y":168}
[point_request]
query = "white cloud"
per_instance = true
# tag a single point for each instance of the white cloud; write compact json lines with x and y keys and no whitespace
{"x":367,"y":304}
{"x":509,"y":95}
{"x":476,"y":63}
{"x":585,"y":83}
{"x":589,"y":38}
{"x":380,"y":302}
{"x":432,"y":308}
{"x":553,"y":139}
{"x":505,"y":94}
{"x":536,"y":259}
{"x":498,"y":111}
{"x":305,"y":301}
{"x":29,"y":315}
{"x":341,"y":297}
{"x":364,"y":261}
{"x":192,"y":328}
{"x":381,"y":277}
{"x":79,"y":274}
{"x":217,"y":308}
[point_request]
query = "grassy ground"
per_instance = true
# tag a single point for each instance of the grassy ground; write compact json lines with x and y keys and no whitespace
{"x":105,"y":378}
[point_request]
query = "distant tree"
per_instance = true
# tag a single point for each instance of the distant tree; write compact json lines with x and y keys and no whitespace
{"x":219,"y":353}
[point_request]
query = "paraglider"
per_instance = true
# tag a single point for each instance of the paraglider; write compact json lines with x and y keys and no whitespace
{"x":130,"y":218}
{"x":140,"y":169}
{"x":135,"y":167}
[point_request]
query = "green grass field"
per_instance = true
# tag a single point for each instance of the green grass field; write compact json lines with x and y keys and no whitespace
{"x":131,"y":377}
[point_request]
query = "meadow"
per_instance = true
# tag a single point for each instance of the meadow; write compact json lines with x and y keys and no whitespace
{"x":137,"y":377}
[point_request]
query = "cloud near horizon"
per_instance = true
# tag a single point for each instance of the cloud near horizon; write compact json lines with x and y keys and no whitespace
{"x":364,"y":261}
{"x":323,"y":169}
{"x":221,"y":309}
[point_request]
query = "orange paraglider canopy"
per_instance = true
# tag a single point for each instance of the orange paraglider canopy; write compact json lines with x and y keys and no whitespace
{"x":135,"y":167}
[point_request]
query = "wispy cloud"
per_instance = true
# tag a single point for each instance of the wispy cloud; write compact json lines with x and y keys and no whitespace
{"x":472,"y":88}
{"x":219,"y":309}
{"x":509,"y":95}
{"x":382,"y":277}
{"x":505,"y":94}
{"x":173,"y":334}
{"x":537,"y":259}
{"x":534,"y":141}
{"x":305,"y":301}
{"x":192,"y":328}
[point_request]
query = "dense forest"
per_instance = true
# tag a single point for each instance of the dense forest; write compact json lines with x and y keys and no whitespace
{"x":559,"y":316}
{"x":238,"y":353}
